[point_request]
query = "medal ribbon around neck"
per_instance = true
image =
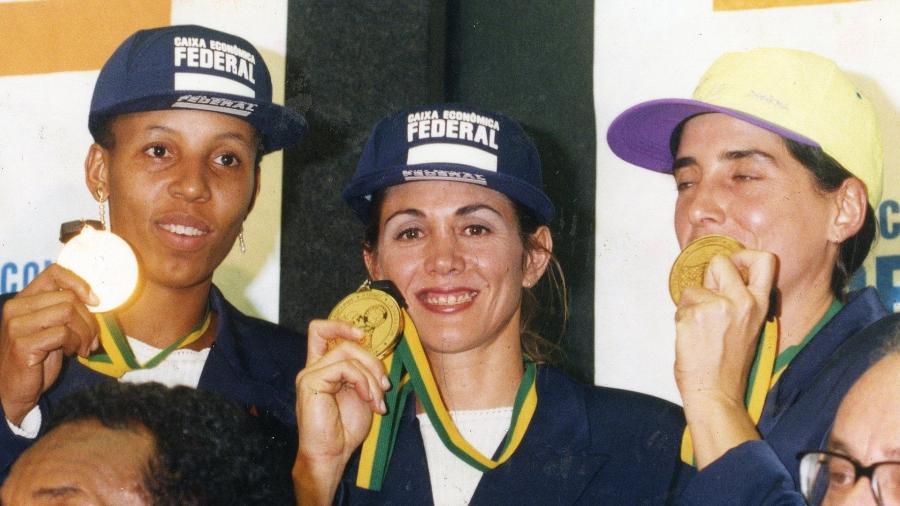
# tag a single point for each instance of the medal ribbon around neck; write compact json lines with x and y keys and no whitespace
{"x":408,"y":370}
{"x":762,"y":382}
{"x":119,"y":358}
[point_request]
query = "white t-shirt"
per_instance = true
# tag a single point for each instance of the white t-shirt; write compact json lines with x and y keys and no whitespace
{"x":453,"y":482}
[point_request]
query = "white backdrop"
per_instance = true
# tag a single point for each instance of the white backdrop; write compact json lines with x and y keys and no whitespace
{"x":647,"y":49}
{"x":43,"y":127}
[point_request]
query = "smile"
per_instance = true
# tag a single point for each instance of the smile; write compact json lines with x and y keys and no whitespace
{"x":182,"y":230}
{"x":449,"y":300}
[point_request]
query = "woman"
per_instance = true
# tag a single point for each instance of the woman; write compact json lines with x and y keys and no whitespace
{"x":780,"y":151}
{"x":458,"y":221}
{"x":177,"y":155}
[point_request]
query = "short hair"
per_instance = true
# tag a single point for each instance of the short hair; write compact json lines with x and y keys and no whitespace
{"x":207,"y":450}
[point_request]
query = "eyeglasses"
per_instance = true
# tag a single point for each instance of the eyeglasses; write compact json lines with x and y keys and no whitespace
{"x":827,"y":478}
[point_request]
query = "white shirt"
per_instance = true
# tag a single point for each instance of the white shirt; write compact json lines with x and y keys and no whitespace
{"x":453,"y":482}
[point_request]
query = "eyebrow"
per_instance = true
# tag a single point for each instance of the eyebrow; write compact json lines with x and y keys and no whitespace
{"x":732,"y":154}
{"x":223,"y":135}
{"x":462,"y":211}
{"x":56,"y":491}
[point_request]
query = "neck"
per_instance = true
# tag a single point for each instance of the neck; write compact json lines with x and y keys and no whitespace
{"x":478,"y":380}
{"x":800,"y":312}
{"x":160,"y":315}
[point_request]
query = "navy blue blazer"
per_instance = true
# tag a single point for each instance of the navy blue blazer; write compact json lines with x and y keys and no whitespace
{"x":799,"y":411}
{"x":585,"y":445}
{"x":251,"y":361}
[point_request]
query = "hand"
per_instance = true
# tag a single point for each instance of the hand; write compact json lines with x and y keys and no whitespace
{"x":717,"y":330}
{"x":337,"y":392}
{"x":43,"y":323}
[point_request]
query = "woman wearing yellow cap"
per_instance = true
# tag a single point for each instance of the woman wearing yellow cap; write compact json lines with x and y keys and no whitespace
{"x":457,"y":219}
{"x":779,"y":151}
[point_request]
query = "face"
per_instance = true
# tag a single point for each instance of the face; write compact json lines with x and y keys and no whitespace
{"x":82,"y":463}
{"x":740,"y":180}
{"x":867,"y":427}
{"x":454,"y":251}
{"x":180,"y":184}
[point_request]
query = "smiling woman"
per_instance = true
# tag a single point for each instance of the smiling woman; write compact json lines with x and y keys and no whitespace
{"x":176,"y":153}
{"x":461,"y":229}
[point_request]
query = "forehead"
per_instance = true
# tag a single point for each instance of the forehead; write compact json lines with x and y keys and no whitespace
{"x":428,"y":196}
{"x":81,"y":460}
{"x":195,"y":123}
{"x":868,"y":419}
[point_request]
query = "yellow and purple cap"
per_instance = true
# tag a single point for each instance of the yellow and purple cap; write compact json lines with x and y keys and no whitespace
{"x":796,"y":94}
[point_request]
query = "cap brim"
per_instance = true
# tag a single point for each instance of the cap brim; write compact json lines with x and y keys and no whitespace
{"x":279,"y":126}
{"x":358,"y":193}
{"x":642,"y":134}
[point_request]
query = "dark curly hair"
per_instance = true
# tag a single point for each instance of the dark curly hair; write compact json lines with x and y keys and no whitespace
{"x":208,"y":451}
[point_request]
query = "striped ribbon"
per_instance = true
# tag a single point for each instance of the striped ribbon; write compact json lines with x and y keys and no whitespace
{"x":758,"y":387}
{"x":408,"y":370}
{"x":116,"y":357}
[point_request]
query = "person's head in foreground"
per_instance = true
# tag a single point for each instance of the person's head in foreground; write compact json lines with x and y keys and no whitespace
{"x":777,"y":149}
{"x":862,"y":463}
{"x":121,"y":443}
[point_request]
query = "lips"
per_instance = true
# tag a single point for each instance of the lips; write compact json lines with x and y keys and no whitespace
{"x":447,"y":300}
{"x":182,"y":231}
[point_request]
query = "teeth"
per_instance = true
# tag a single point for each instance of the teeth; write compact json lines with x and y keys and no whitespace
{"x":182,"y":230}
{"x":449,"y":300}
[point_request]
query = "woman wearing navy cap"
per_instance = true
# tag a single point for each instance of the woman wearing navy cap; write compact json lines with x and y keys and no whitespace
{"x":180,"y":116}
{"x":457,"y":219}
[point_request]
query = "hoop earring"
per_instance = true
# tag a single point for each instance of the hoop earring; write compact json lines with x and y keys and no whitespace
{"x":101,"y":199}
{"x":241,"y":243}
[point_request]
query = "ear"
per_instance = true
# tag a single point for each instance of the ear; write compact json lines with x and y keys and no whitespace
{"x":851,"y":201}
{"x":96,"y":170}
{"x":537,"y":258}
{"x":370,"y":258}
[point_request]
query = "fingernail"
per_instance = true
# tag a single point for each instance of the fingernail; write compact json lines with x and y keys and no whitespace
{"x":95,"y":343}
{"x":385,"y":382}
{"x":382,"y":405}
{"x":358,"y":332}
{"x":93,"y":300}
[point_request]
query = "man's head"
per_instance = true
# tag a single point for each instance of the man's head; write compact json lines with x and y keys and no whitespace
{"x":147,"y":444}
{"x":806,"y":104}
{"x":866,"y":432}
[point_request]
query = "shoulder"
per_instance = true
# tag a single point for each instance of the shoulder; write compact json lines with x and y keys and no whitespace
{"x":616,"y":412}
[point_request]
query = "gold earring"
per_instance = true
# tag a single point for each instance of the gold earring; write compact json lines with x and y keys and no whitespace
{"x":241,"y":243}
{"x":101,"y":199}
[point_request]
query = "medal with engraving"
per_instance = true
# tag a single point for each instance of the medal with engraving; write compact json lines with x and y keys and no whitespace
{"x":375,"y":309}
{"x":690,"y":266}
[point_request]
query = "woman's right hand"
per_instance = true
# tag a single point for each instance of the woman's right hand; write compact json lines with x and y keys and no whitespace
{"x":43,"y":323}
{"x":337,"y":392}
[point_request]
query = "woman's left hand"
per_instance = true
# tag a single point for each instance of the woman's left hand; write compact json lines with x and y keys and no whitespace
{"x":717,"y":328}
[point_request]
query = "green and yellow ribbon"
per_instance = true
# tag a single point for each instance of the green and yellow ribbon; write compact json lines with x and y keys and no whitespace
{"x":408,"y":370}
{"x":767,"y":369}
{"x":117,"y":358}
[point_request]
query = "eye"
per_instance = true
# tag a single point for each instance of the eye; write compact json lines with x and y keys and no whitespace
{"x":227,"y":160}
{"x":157,"y":151}
{"x":683,"y":185}
{"x":743,"y":178}
{"x":409,"y":234}
{"x":476,"y":230}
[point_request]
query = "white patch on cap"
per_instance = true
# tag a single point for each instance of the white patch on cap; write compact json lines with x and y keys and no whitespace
{"x":440,"y":152}
{"x":215,"y":104}
{"x":189,"y":81}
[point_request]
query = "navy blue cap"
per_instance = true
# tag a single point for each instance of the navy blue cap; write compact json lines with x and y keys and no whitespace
{"x":450,"y":142}
{"x":193,"y":67}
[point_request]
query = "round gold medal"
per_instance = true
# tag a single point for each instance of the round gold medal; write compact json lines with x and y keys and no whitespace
{"x":690,"y":266}
{"x":377,"y":314}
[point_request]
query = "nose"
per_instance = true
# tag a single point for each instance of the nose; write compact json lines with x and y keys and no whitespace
{"x":444,"y":255}
{"x":705,"y":205}
{"x":190,"y":181}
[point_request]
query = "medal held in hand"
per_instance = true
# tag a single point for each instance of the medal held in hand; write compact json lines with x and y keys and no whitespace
{"x":106,"y":262}
{"x":375,"y":309}
{"x":690,"y":266}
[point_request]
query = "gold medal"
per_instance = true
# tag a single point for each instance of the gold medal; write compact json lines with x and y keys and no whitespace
{"x":106,"y":262}
{"x":690,"y":266}
{"x":376,"y":312}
